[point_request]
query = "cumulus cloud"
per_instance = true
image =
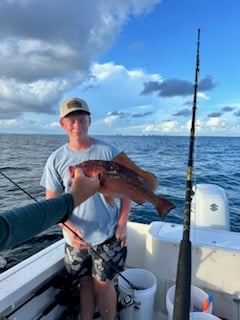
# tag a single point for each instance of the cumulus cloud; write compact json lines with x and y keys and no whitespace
{"x":40,"y":96}
{"x":214,"y":115}
{"x":8,"y":123}
{"x":206,"y":84}
{"x":228,"y":109}
{"x":183,"y":113}
{"x":237,"y":113}
{"x":120,"y":115}
{"x":47,"y":49}
{"x":142,"y":114}
{"x":176,"y":87}
{"x":214,"y":123}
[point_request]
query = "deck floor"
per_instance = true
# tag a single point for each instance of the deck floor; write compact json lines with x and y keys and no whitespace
{"x":157,"y":316}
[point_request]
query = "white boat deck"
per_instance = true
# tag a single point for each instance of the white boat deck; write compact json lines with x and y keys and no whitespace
{"x":153,"y":248}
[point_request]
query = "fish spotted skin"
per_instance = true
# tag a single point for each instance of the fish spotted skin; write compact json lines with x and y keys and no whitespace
{"x":119,"y":181}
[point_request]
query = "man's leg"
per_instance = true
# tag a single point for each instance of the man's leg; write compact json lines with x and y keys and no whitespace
{"x":106,"y":299}
{"x":78,"y":263}
{"x":87,"y":298}
{"x":108,"y":261}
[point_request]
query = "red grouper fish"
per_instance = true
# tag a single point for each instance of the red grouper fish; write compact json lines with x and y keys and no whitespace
{"x":122,"y":178}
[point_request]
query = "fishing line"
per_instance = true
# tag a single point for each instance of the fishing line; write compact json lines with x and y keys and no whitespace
{"x":18,"y":186}
{"x":93,"y":250}
{"x":105,"y":261}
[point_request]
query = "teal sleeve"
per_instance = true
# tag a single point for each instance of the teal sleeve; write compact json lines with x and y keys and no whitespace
{"x":21,"y":224}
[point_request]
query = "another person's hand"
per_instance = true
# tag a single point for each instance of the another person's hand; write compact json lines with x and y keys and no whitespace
{"x":83,"y":187}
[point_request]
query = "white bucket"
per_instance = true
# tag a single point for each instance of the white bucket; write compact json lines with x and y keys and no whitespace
{"x":198,"y":296}
{"x":137,"y":304}
{"x":202,"y":316}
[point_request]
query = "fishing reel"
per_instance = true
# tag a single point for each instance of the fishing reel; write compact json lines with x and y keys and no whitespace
{"x":128,"y":301}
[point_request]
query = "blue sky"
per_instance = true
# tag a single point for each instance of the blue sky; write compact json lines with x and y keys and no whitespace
{"x":133,"y":61}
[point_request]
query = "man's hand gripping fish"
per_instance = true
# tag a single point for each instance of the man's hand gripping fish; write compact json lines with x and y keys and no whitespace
{"x":122,"y":178}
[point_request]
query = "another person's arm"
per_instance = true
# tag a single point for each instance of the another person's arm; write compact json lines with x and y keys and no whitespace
{"x":75,"y":235}
{"x":20,"y":224}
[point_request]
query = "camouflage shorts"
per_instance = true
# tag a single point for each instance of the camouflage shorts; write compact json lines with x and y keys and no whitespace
{"x":103,"y":261}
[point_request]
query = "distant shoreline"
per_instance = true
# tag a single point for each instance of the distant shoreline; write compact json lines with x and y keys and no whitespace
{"x":118,"y":135}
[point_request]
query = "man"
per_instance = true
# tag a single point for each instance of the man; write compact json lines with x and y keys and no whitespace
{"x":101,"y":225}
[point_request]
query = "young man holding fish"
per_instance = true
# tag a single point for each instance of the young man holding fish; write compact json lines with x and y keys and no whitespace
{"x":102,"y":224}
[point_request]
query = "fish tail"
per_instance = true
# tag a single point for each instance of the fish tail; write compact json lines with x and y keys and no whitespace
{"x":163,"y":207}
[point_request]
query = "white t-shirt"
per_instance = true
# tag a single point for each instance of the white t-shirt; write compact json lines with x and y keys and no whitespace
{"x":95,"y":217}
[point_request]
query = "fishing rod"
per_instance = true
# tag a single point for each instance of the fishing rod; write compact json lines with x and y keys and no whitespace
{"x":184,"y":269}
{"x":132,"y":286}
{"x":18,"y":186}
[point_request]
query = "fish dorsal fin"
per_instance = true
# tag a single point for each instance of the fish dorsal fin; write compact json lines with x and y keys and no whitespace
{"x":125,"y":161}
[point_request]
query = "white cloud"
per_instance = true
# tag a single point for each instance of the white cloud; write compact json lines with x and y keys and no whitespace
{"x":48,"y":54}
{"x":30,"y":97}
{"x":45,"y":52}
{"x":55,"y":124}
{"x":42,"y":42}
{"x":106,"y":70}
{"x":163,"y":128}
{"x":8,"y":123}
{"x":213,"y":122}
{"x":110,"y":119}
{"x":203,"y":95}
{"x":169,"y":126}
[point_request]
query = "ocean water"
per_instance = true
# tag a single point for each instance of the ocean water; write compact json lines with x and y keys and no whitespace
{"x":216,"y":160}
